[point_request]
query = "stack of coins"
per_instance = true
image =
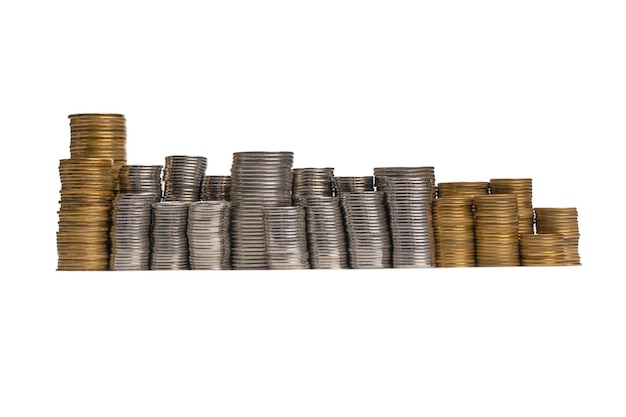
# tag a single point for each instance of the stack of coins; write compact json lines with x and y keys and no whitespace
{"x":369,"y":241}
{"x":496,"y":230}
{"x":343,"y":185}
{"x":523,"y":189}
{"x":99,"y":136}
{"x":563,"y":221}
{"x":466,"y":189}
{"x":312,"y":182}
{"x":285,"y":236}
{"x":258,"y":180}
{"x":87,"y":190}
{"x":142,"y":179}
{"x":542,"y":249}
{"x":381,"y":173}
{"x":216,"y":188}
{"x":326,"y":234}
{"x":409,"y":203}
{"x":453,"y":221}
{"x":183,"y":176}
{"x":170,"y":249}
{"x":208,"y":233}
{"x":131,"y":223}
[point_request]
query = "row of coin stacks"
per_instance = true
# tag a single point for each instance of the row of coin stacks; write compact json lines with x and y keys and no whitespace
{"x":269,"y":215}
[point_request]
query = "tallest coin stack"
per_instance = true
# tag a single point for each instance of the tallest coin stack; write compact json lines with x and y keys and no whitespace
{"x":89,"y":183}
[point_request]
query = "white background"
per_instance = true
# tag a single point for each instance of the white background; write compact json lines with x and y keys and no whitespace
{"x":479,"y":90}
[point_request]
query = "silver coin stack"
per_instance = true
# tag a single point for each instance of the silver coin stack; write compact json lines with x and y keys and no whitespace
{"x":258,"y":180}
{"x":326,"y":234}
{"x":369,"y":241}
{"x":142,"y":179}
{"x":311,"y":182}
{"x":183,"y":176}
{"x":285,"y":236}
{"x":170,"y":248}
{"x":353,"y":184}
{"x":381,"y":173}
{"x":216,"y":188}
{"x":208,"y":234}
{"x":409,"y":203}
{"x":131,"y":222}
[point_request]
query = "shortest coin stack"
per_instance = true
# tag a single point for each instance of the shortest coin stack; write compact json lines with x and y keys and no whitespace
{"x":170,"y":249}
{"x":285,"y":235}
{"x":563,"y":221}
{"x":130,"y":232}
{"x":208,"y":229}
{"x":542,"y":250}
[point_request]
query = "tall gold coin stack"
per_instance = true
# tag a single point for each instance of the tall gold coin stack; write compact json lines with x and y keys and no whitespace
{"x":523,"y":188}
{"x":496,"y":230}
{"x":99,"y":135}
{"x":453,"y":221}
{"x":85,"y":212}
{"x":544,"y":249}
{"x":563,"y":221}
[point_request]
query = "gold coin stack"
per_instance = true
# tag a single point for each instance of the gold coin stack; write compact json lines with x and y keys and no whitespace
{"x":496,"y":225}
{"x":523,"y":188}
{"x":99,"y":135}
{"x":84,"y":214}
{"x":563,"y":221}
{"x":542,"y":249}
{"x":453,"y":222}
{"x":462,"y":189}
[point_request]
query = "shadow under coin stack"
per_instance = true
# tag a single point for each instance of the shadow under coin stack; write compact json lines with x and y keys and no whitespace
{"x":285,"y":237}
{"x":208,"y":233}
{"x":523,"y":189}
{"x":369,"y":241}
{"x":409,"y":192}
{"x":562,"y":221}
{"x":131,"y":223}
{"x":142,"y":179}
{"x":170,"y":249}
{"x":183,"y":176}
{"x":216,"y":188}
{"x":453,"y":221}
{"x":496,"y":229}
{"x":258,"y":180}
{"x":87,"y":190}
{"x":543,"y":249}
